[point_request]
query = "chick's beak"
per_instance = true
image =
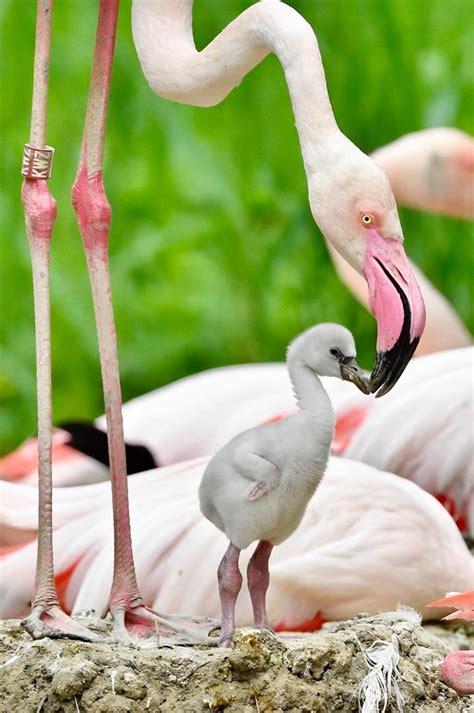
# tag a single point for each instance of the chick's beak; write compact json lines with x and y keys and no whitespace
{"x":351,"y":371}
{"x":395,"y":300}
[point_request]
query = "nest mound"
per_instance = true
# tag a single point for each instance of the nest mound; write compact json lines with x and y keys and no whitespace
{"x":265,"y":673}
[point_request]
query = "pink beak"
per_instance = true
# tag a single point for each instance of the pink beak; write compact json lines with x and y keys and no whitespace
{"x":395,"y":300}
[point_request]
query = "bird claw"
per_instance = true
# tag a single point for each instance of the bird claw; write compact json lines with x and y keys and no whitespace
{"x":256,"y":491}
{"x":226,"y":640}
{"x":52,"y":622}
{"x":226,"y":643}
{"x":136,"y":623}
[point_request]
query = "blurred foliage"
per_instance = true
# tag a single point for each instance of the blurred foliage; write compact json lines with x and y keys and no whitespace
{"x":215,"y":258}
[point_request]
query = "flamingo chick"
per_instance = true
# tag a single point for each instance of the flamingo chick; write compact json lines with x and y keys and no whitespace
{"x":257,"y":486}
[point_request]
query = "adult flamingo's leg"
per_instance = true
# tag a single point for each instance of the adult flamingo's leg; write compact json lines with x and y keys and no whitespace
{"x":93,"y":215}
{"x":46,"y":617}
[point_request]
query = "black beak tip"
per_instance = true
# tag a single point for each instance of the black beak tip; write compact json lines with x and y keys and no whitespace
{"x":390,"y":365}
{"x":380,"y":371}
{"x":384,"y":390}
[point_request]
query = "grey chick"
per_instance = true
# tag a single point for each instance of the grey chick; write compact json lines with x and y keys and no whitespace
{"x":258,"y":485}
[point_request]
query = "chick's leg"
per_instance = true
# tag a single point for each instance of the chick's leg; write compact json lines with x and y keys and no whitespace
{"x":258,"y":578}
{"x":230,"y":582}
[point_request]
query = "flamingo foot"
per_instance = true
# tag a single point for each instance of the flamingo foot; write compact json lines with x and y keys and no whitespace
{"x":457,"y":671}
{"x":137,"y":622}
{"x":226,"y":640}
{"x":52,"y":622}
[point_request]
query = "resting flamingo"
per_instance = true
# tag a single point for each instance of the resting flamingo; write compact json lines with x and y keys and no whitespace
{"x":350,"y":198}
{"x":424,"y":433}
{"x":457,"y":669}
{"x":423,"y":426}
{"x":432,"y":170}
{"x":324,"y":571}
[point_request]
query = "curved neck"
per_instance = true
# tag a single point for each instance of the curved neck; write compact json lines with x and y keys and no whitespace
{"x":310,"y":394}
{"x":162,"y":31}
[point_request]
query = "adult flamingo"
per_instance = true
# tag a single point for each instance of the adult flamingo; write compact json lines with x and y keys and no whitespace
{"x":325,"y":571}
{"x":420,"y":431}
{"x":350,"y":198}
{"x":191,"y":417}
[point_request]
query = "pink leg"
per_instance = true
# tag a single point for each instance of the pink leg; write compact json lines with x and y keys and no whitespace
{"x":457,"y":671}
{"x":47,"y":617}
{"x":230,"y":582}
{"x":93,"y":216}
{"x":258,"y":578}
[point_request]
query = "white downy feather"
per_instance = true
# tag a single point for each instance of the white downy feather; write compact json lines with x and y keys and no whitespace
{"x":376,"y":688}
{"x":382,"y":659}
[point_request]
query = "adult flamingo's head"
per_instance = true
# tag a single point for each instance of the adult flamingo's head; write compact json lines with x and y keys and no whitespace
{"x":353,"y":204}
{"x":351,"y":199}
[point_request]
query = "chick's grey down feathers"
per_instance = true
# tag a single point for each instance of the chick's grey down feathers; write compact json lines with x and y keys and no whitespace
{"x":257,"y":486}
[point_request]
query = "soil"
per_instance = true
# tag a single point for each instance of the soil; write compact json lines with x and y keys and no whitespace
{"x":263,"y":673}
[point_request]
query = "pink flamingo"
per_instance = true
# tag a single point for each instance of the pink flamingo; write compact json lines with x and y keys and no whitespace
{"x":324,"y":571}
{"x":350,"y":199}
{"x":457,"y":669}
{"x":424,"y":432}
{"x":420,"y":431}
{"x":192,"y":417}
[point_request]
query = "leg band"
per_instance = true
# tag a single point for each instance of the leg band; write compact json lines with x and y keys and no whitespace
{"x":37,"y":163}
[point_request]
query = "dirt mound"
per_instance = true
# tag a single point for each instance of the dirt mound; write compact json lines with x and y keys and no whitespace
{"x":263,"y":673}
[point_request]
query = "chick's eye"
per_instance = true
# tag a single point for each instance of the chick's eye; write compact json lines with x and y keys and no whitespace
{"x":335,"y":352}
{"x":366,"y":219}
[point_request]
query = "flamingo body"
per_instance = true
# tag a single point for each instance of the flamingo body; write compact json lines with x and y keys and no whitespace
{"x":432,"y":170}
{"x":424,"y":433}
{"x":368,"y":541}
{"x":429,"y":439}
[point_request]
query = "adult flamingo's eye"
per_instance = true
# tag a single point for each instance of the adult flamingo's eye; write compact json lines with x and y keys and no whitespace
{"x":367,"y":219}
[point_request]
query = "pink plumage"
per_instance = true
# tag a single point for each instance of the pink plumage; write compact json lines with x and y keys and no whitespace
{"x":464,"y":603}
{"x":415,"y":550}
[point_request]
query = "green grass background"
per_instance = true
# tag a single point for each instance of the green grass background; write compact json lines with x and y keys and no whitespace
{"x":215,"y":258}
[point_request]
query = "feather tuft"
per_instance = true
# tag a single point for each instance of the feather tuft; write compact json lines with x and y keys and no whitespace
{"x":382,"y":659}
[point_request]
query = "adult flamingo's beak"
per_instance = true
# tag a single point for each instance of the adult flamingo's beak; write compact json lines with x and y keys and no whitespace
{"x":396,"y":302}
